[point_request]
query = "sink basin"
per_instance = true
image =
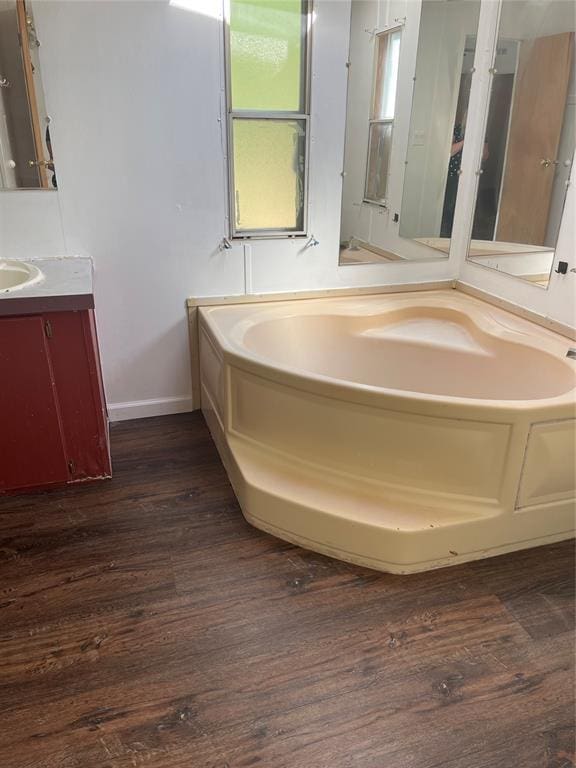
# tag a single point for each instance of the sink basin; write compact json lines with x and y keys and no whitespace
{"x":15,"y":275}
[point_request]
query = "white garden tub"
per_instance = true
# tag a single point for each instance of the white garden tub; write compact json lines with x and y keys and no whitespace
{"x":402,"y":432}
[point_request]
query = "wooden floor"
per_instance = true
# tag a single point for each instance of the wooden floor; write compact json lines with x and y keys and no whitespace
{"x":144,"y":623}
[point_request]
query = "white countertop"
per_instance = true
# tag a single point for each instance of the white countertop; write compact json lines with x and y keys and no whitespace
{"x":62,"y":276}
{"x":66,"y":284}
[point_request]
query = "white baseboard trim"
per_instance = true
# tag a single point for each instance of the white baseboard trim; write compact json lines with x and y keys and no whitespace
{"x":142,"y":409}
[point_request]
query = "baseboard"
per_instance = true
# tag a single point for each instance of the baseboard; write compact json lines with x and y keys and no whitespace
{"x":142,"y":409}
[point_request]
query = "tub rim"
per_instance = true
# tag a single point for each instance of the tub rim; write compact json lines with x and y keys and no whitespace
{"x":321,"y":384}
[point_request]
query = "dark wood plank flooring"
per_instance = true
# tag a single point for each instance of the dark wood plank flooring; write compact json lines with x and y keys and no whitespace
{"x":143,"y":622}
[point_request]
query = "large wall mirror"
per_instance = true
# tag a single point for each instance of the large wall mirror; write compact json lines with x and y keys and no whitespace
{"x":373,"y":72}
{"x":529,"y":140}
{"x":26,"y":160}
{"x":399,"y":191}
{"x":438,"y":124}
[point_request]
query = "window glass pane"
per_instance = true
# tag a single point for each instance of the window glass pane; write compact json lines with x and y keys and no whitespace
{"x":378,"y":159}
{"x":267,"y":53}
{"x":269,"y":160}
{"x":386,"y":75}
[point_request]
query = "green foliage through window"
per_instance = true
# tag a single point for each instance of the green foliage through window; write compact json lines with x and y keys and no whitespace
{"x":268,"y":121}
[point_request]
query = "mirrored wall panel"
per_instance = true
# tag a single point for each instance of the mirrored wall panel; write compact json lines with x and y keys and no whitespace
{"x":529,"y":141}
{"x":373,"y":82}
{"x":439,"y":119}
{"x":399,"y":191}
{"x":26,"y":159}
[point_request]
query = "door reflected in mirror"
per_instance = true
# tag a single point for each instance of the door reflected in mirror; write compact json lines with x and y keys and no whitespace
{"x":529,"y":141}
{"x":26,"y":159}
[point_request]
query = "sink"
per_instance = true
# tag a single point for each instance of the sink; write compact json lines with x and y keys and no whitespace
{"x":15,"y":275}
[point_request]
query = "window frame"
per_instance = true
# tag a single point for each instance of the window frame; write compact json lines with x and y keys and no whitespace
{"x":244,"y":114}
{"x":382,"y":120}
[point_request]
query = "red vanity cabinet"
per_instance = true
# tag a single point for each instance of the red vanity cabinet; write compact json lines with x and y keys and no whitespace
{"x":53,"y":420}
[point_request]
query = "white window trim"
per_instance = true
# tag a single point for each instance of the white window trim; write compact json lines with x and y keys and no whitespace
{"x":380,"y":121}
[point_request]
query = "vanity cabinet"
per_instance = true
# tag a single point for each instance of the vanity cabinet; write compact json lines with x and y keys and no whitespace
{"x":53,"y":420}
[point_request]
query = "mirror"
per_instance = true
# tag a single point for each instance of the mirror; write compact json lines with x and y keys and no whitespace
{"x":26,"y":159}
{"x":529,"y":141}
{"x":373,"y":69}
{"x":383,"y":167}
{"x":444,"y":68}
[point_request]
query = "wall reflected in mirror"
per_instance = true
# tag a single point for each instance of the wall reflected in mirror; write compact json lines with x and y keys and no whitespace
{"x":399,"y":192}
{"x":438,"y":125}
{"x":374,"y":58}
{"x":26,"y":159}
{"x":529,"y":141}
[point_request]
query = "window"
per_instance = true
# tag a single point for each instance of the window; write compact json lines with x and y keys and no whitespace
{"x":267,"y":89}
{"x":382,"y":116}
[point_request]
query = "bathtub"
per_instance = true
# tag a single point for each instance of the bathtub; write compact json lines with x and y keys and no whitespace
{"x":401,"y":432}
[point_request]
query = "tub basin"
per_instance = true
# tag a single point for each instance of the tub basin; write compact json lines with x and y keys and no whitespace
{"x":425,"y":350}
{"x":403,"y":432}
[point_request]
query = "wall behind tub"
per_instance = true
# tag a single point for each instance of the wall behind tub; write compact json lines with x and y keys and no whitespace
{"x":135,"y":91}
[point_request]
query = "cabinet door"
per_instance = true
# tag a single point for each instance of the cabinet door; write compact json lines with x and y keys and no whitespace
{"x":76,"y":369}
{"x":31,"y":442}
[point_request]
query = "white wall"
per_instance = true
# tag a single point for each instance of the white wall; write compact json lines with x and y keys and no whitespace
{"x":128,"y":86}
{"x":31,"y":224}
{"x":135,"y":93}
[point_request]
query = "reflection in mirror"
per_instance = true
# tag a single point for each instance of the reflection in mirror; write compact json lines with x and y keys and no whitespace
{"x":382,"y":63}
{"x":382,"y":112}
{"x":371,"y":108}
{"x":529,"y":141}
{"x":444,"y":67}
{"x":26,"y":159}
